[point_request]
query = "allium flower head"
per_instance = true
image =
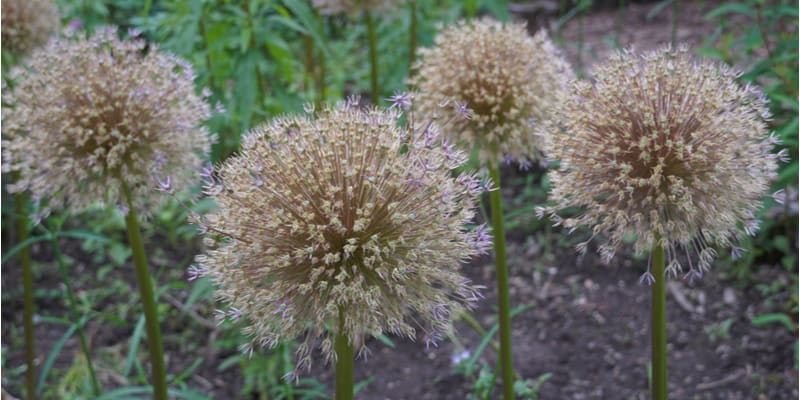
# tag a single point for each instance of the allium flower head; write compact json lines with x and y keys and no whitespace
{"x":356,"y":7}
{"x":508,"y":83}
{"x":663,"y":150}
{"x":27,"y":24}
{"x":90,"y":114}
{"x":345,"y":216}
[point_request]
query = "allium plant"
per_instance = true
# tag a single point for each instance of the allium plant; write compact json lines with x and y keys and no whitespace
{"x":339,"y":227}
{"x":667,"y":152}
{"x":509,"y":87}
{"x":100,"y":120}
{"x":511,"y":84}
{"x":27,"y":24}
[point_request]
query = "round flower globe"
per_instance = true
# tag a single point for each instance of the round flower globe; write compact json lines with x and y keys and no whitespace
{"x":344,"y":220}
{"x":663,"y":150}
{"x":511,"y":86}
{"x":27,"y":24}
{"x":93,"y":116}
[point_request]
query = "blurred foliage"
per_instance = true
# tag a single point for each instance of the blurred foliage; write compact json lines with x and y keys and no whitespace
{"x":263,"y":58}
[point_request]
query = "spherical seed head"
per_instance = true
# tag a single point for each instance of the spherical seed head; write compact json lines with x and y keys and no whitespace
{"x":346,"y":220}
{"x":663,"y":150}
{"x":93,"y":113}
{"x":27,"y":24}
{"x":510,"y":84}
{"x":356,"y":7}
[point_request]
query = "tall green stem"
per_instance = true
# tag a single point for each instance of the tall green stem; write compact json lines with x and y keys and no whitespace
{"x":373,"y":58}
{"x":73,"y":309}
{"x":412,"y":35}
{"x":675,"y":15}
{"x":503,"y":301}
{"x":27,"y":296}
{"x":148,"y":300}
{"x":658,"y":326}
{"x":618,"y":23}
{"x":344,"y":362}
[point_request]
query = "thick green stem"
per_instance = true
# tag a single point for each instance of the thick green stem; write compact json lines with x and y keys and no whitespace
{"x":344,"y":362}
{"x":73,"y":309}
{"x":27,"y":297}
{"x":580,"y":40}
{"x":148,"y":301}
{"x":503,"y":301}
{"x":618,"y":22}
{"x":412,"y":35}
{"x":373,"y":58}
{"x":675,"y":15}
{"x":658,"y":326}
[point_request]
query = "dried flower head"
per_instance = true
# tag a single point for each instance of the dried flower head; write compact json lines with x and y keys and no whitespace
{"x":92,"y":114}
{"x":509,"y":84}
{"x":346,"y":220}
{"x":664,"y":151}
{"x":356,"y":7}
{"x":27,"y":24}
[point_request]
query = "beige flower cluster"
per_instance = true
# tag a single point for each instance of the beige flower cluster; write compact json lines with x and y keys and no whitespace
{"x":91,"y":115}
{"x":356,"y":7}
{"x":511,"y":85}
{"x":663,"y":150}
{"x":27,"y":24}
{"x":342,"y":220}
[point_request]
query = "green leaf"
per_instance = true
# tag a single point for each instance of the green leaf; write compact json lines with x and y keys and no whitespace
{"x":730,"y":8}
{"x":187,"y":394}
{"x":70,"y":234}
{"x":188,"y":371}
{"x":21,"y":245}
{"x":774,"y":318}
{"x":133,"y":346}
{"x":788,"y":173}
{"x":127,"y":393}
{"x":657,"y":9}
{"x":361,"y":385}
{"x":781,"y":243}
{"x":469,"y":365}
{"x":51,"y":358}
{"x":307,"y":19}
{"x":386,"y":340}
{"x":246,"y":88}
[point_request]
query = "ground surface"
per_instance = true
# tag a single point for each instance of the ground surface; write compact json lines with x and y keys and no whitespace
{"x":586,"y":328}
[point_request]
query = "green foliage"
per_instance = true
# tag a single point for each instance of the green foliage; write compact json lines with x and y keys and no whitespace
{"x":719,"y":331}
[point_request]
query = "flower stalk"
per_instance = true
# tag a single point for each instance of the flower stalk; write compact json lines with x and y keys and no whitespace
{"x":27,"y":297}
{"x":658,"y":325}
{"x":412,"y":34}
{"x":344,"y":361}
{"x":154,"y":345}
{"x":503,"y":301}
{"x":373,"y":58}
